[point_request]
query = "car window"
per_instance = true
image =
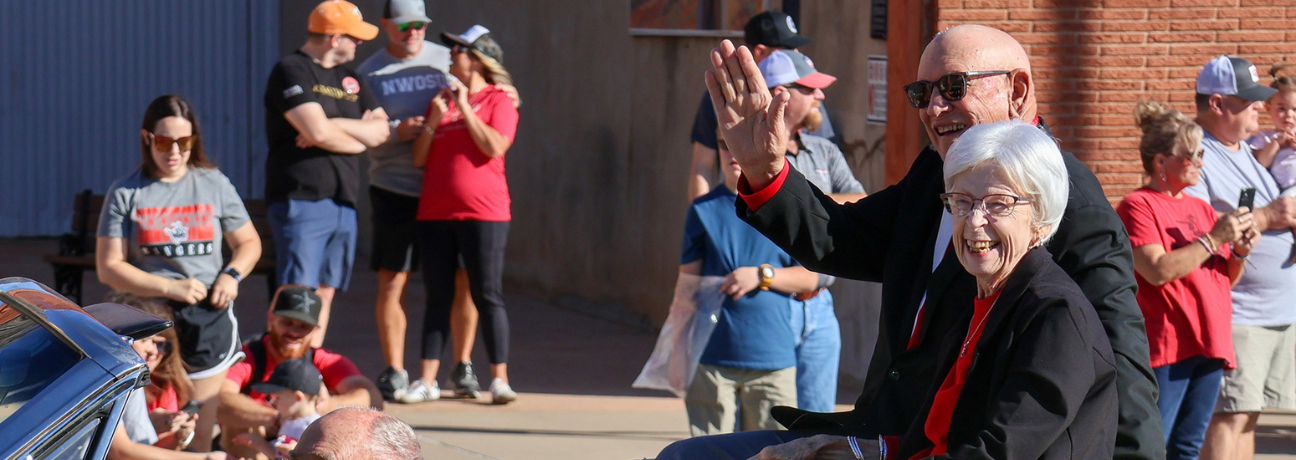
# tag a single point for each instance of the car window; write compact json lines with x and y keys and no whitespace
{"x":32,"y":358}
{"x":76,"y":447}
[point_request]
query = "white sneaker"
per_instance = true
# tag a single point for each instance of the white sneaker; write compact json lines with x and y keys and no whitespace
{"x":502,"y":393}
{"x":421,"y":391}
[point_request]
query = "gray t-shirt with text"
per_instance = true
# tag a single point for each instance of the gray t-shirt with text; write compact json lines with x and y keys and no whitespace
{"x":405,"y":87}
{"x":1264,"y":295}
{"x":174,"y":229}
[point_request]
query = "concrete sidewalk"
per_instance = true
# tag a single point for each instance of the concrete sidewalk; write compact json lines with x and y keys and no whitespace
{"x":573,"y":373}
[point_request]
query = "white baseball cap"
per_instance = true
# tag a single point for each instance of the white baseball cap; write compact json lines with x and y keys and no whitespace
{"x":1232,"y":76}
{"x":784,"y":67}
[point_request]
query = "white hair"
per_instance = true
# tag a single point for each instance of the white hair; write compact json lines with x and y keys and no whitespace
{"x":1028,"y":157}
{"x":389,"y":437}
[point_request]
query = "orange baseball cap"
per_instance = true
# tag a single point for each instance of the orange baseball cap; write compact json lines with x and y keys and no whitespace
{"x":340,"y":17}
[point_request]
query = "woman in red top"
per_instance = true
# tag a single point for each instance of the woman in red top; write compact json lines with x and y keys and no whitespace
{"x":464,"y":207}
{"x":1185,"y":269}
{"x":170,"y":387}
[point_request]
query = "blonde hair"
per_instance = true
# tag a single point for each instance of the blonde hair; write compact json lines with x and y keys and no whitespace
{"x":1164,"y":128}
{"x":813,"y":119}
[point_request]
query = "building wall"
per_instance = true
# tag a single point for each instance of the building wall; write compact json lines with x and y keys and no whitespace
{"x":78,"y":76}
{"x":1093,"y":60}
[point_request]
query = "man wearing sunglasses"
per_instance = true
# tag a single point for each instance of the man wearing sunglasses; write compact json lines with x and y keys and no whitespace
{"x":764,"y":33}
{"x":901,"y":236}
{"x":406,"y":75}
{"x":319,"y":116}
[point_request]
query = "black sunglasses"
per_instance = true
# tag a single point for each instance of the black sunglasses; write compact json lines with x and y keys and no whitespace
{"x":416,"y":25}
{"x":952,"y":87}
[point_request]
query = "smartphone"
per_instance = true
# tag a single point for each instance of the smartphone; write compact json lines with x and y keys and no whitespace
{"x":192,"y":408}
{"x":1247,"y":198}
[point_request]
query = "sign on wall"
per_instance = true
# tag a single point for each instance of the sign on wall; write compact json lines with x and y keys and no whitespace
{"x":877,"y":90}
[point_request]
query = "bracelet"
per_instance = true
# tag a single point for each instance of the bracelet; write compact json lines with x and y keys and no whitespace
{"x":855,"y":448}
{"x":1206,"y":245}
{"x":187,"y":440}
{"x":427,"y":128}
{"x":238,"y":278}
{"x":1239,"y":256}
{"x":882,"y":448}
{"x":1210,"y":240}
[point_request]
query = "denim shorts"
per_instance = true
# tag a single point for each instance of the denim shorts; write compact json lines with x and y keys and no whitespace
{"x":314,"y":242}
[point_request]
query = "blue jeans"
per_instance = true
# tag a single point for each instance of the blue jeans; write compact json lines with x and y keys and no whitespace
{"x":1188,"y":392}
{"x":818,"y":350}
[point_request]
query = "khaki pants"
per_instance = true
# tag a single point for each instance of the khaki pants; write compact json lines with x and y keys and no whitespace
{"x":718,"y":395}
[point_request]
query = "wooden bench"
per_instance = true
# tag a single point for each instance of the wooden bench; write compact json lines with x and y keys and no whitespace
{"x":76,"y":252}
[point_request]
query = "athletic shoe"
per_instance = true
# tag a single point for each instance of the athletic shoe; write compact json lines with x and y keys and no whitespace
{"x":502,"y":393}
{"x":393,"y":384}
{"x":421,"y":391}
{"x":464,"y":380}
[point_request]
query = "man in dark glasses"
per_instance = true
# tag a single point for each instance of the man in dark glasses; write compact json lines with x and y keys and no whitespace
{"x":319,"y":116}
{"x":406,"y":75}
{"x":764,"y":33}
{"x":900,"y":236}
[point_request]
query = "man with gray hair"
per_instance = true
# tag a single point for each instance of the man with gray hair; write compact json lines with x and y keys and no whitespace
{"x":358,"y":433}
{"x":900,"y":236}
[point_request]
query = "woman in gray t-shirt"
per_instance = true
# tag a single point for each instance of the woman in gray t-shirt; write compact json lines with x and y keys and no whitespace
{"x":160,"y":236}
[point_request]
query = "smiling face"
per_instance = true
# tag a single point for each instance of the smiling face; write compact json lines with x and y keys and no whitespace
{"x":148,"y":350}
{"x":1183,"y":169}
{"x":971,"y":48}
{"x":171,"y":163}
{"x":289,"y":337}
{"x":990,"y":247}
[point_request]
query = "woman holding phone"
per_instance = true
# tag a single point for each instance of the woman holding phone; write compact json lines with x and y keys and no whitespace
{"x":464,"y":206}
{"x":160,"y":236}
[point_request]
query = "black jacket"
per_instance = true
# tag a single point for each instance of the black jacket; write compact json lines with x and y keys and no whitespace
{"x":889,"y":237}
{"x":1042,"y":382}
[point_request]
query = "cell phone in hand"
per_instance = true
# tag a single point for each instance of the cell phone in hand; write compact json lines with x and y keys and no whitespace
{"x":192,"y":408}
{"x":1247,"y":198}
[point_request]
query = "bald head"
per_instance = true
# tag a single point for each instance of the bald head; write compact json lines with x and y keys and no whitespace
{"x":989,"y":98}
{"x":358,"y":433}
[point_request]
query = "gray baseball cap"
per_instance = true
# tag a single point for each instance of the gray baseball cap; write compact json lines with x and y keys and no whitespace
{"x":403,"y":11}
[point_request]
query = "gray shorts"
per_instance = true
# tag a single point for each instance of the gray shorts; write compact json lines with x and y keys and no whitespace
{"x":1266,"y":370}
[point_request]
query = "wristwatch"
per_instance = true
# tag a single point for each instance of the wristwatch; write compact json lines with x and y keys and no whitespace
{"x":766,"y":273}
{"x":233,"y":274}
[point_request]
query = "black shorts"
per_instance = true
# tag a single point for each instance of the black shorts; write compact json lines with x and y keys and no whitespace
{"x":209,"y":340}
{"x":394,"y":231}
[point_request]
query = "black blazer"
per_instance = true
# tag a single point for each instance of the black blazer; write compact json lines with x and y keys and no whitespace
{"x":889,"y":237}
{"x":1042,"y":382}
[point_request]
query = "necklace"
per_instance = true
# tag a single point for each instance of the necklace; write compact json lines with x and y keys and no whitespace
{"x":973,"y":333}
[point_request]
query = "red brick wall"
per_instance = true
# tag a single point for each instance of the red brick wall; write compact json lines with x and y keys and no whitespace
{"x":1094,"y":59}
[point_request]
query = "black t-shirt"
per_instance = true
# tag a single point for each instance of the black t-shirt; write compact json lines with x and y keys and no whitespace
{"x":312,"y":174}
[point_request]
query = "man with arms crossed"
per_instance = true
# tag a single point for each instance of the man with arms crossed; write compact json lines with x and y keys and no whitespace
{"x":319,"y":116}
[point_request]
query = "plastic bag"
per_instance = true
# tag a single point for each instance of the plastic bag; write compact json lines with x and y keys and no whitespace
{"x":693,"y":316}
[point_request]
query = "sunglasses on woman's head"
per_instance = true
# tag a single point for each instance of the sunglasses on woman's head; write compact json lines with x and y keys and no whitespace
{"x":952,"y":87}
{"x":163,"y":143}
{"x":416,"y":25}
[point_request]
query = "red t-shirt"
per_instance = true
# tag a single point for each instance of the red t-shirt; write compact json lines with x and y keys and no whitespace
{"x":942,"y":408}
{"x":165,"y":399}
{"x":459,"y":181}
{"x":1192,"y":315}
{"x":333,"y":367}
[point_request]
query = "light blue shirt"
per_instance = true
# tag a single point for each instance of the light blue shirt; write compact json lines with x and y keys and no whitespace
{"x":405,"y":87}
{"x":1264,"y":295}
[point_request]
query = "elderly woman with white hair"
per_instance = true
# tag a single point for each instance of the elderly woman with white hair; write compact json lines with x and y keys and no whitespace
{"x":1034,"y":376}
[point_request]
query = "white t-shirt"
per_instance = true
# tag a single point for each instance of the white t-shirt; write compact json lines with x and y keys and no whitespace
{"x":1263,"y":297}
{"x":1283,"y":168}
{"x":294,"y":428}
{"x":135,"y":419}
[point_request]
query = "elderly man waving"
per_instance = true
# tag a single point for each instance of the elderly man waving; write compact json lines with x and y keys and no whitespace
{"x":900,"y":236}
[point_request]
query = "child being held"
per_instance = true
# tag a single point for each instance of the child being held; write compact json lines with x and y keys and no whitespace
{"x":295,"y":384}
{"x":1276,"y":149}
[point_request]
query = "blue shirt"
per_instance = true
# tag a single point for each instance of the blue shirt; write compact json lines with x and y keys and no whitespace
{"x":753,"y":332}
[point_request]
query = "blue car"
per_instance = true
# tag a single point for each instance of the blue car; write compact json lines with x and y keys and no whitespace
{"x":65,"y":371}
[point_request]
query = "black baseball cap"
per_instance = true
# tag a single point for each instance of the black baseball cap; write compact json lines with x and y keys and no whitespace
{"x":774,"y":29}
{"x":294,"y":374}
{"x":298,"y":302}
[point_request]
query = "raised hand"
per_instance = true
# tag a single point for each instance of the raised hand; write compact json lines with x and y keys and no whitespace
{"x":750,"y":118}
